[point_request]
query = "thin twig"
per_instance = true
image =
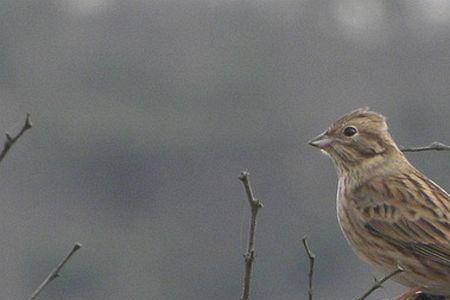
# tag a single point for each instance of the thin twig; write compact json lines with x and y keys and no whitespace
{"x":55,"y":273}
{"x":379,"y":283}
{"x":436,"y":146}
{"x":312,"y":258}
{"x":10,"y":140}
{"x":249,"y":257}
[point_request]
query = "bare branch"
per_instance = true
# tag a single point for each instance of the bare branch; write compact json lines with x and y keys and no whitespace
{"x":379,"y":283}
{"x":436,"y":146}
{"x":249,"y":257}
{"x":55,"y":273}
{"x":10,"y":140}
{"x":312,"y":258}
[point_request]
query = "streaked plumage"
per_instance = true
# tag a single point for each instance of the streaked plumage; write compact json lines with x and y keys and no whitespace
{"x":390,"y":213}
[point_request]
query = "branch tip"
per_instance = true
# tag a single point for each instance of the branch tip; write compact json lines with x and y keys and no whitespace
{"x":28,"y":123}
{"x":436,"y":146}
{"x":55,"y":272}
{"x":244,"y":176}
{"x":307,"y":248}
{"x":379,"y":283}
{"x":250,"y":255}
{"x":10,"y":140}
{"x":312,"y":258}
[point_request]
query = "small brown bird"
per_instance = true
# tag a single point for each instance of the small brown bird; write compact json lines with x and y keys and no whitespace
{"x":391,"y":214}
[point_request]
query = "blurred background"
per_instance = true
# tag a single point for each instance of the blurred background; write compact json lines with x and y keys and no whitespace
{"x":145,"y":113}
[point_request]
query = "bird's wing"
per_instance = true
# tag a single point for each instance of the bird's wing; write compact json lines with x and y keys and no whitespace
{"x":408,"y":211}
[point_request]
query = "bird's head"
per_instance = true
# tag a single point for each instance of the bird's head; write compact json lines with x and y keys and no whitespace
{"x":358,"y":137}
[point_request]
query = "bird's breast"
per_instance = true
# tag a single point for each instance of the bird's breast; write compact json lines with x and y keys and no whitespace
{"x":359,"y":238}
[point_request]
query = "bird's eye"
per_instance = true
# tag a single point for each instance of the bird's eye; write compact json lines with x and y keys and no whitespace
{"x":350,"y":131}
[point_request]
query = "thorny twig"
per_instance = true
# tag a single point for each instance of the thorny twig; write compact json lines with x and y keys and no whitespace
{"x":436,"y":146}
{"x":55,"y":272}
{"x":312,"y":258}
{"x":378,"y":283}
{"x":10,"y":140}
{"x":249,"y":256}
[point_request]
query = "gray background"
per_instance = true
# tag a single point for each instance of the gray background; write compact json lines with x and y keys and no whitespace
{"x":145,"y":112}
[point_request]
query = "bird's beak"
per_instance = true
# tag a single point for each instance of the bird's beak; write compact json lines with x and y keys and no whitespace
{"x":321,"y":141}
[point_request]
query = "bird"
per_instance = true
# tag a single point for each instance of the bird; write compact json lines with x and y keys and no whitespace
{"x":390,"y":213}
